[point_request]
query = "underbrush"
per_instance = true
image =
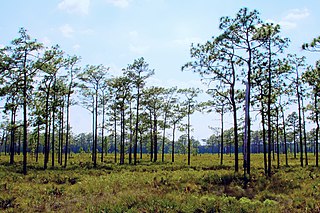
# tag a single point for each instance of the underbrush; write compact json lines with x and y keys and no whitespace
{"x":205,"y":186}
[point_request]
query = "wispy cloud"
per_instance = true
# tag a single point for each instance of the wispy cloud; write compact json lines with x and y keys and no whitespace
{"x":67,"y":30}
{"x":76,"y":47}
{"x":137,"y":44}
{"x":119,"y":3}
{"x":139,"y":49}
{"x":75,"y":6}
{"x":297,"y":14}
{"x":292,"y":18}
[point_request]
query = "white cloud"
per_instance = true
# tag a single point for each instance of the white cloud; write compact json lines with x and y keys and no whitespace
{"x":137,"y":44}
{"x":139,"y":49}
{"x":288,"y":25}
{"x":297,"y":14}
{"x":76,"y":47}
{"x":292,"y":18}
{"x":67,"y":30}
{"x":75,"y":6}
{"x":119,"y":3}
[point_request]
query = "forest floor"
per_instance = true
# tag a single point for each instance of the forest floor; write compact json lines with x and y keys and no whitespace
{"x":205,"y":186}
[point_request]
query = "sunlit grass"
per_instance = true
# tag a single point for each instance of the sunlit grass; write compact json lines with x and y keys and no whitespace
{"x":203,"y":186}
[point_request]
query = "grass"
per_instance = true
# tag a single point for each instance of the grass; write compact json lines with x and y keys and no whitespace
{"x":205,"y":186}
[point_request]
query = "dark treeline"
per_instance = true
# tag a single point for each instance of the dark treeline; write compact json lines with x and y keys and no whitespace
{"x":245,"y":67}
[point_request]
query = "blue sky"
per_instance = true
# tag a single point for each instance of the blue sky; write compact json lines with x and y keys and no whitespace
{"x":115,"y":32}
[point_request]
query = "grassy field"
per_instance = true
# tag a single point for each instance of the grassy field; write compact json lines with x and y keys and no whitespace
{"x":205,"y":186}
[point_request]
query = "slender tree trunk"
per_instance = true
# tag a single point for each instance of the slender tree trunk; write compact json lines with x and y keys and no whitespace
{"x":278,"y":147}
{"x":222,"y":114}
{"x":95,"y":131}
{"x":273,"y":145}
{"x":46,"y":132}
{"x":25,"y":114}
{"x":189,"y":140}
{"x":53,"y":128}
{"x":102,"y":129}
{"x":49,"y":138}
{"x":173,"y":136}
{"x":53,"y":139}
{"x":68,"y":129}
{"x":151,"y":137}
{"x":269,"y":110}
{"x":284,"y":137}
{"x":264,"y":141}
{"x":131,"y":134}
{"x":300,"y":124}
{"x":135,"y":149}
{"x":59,"y":141}
{"x":38,"y":142}
{"x":235,"y":121}
{"x":115,"y":136}
{"x":155,"y":137}
{"x":62,"y":134}
{"x":317,"y":128}
{"x":246,"y":145}
{"x":248,"y":113}
{"x":304,"y":134}
{"x":12,"y":135}
{"x":164,"y":135}
{"x":294,"y":142}
{"x":122,"y":135}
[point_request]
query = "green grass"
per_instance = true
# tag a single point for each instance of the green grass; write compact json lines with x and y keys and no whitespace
{"x":205,"y":186}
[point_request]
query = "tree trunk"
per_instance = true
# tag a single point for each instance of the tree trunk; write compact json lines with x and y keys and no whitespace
{"x":155,"y":137}
{"x":53,"y":128}
{"x":62,"y":135}
{"x":294,"y":142}
{"x":38,"y":142}
{"x":95,"y":131}
{"x":12,"y":135}
{"x":141,"y":139}
{"x":246,"y":144}
{"x":102,"y":129}
{"x":300,"y":118}
{"x":164,"y":136}
{"x":115,"y":136}
{"x":222,"y":114}
{"x":151,"y":137}
{"x":46,"y":132}
{"x":135,"y":149}
{"x":278,"y":148}
{"x":131,"y":135}
{"x":317,"y":128}
{"x":173,"y":136}
{"x":189,"y":140}
{"x":264,"y":141}
{"x":284,"y":137}
{"x":68,"y":128}
{"x":304,"y":133}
